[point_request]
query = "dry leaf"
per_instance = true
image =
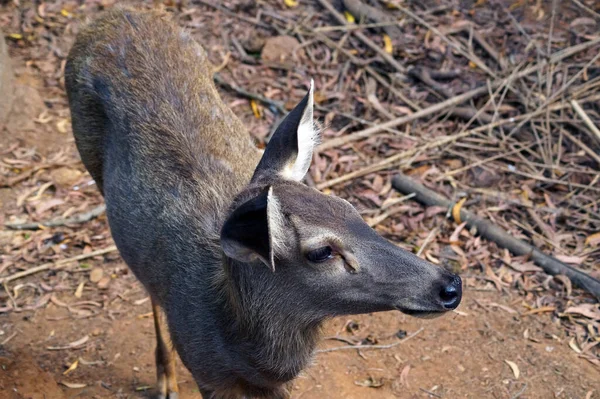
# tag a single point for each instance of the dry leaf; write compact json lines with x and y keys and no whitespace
{"x":370,"y":382}
{"x":387,"y":44}
{"x":96,"y":274}
{"x":15,"y":36}
{"x":73,"y":385}
{"x":404,"y":376}
{"x":588,"y":310}
{"x":79,"y":290}
{"x":72,"y":367}
{"x":515,"y":369}
{"x":456,"y":210}
{"x":573,"y":345}
{"x":290,"y":3}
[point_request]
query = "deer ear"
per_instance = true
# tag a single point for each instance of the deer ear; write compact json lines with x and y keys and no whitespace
{"x":254,"y":230}
{"x":289,"y":152}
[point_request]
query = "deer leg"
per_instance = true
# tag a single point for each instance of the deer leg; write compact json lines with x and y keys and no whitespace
{"x":165,"y":356}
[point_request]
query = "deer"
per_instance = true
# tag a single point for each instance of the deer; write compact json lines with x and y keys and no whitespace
{"x":243,"y":262}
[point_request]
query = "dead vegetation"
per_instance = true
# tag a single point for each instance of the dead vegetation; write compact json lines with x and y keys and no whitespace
{"x":492,"y":104}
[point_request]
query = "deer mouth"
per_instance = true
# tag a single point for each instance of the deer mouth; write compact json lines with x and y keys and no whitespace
{"x":422,"y":314}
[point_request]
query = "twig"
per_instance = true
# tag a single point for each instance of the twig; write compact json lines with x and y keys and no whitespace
{"x":224,"y":10}
{"x":429,"y":238}
{"x":245,"y":93}
{"x":581,"y":145}
{"x":586,"y":8}
{"x":363,"y":11}
{"x":586,"y":119}
{"x":430,"y":393}
{"x":387,"y":57}
{"x":335,"y":46}
{"x":56,"y":265}
{"x":378,"y":219}
{"x":387,"y":162}
{"x":77,"y":219}
{"x":489,"y":231}
{"x":518,"y":394}
{"x":345,"y":347}
{"x":424,"y":112}
{"x":472,"y":57}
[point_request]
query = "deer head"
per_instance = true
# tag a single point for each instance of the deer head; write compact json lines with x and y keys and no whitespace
{"x":318,"y":247}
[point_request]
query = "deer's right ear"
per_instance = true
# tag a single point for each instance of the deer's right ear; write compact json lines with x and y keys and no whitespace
{"x":289,"y":152}
{"x":253,"y":230}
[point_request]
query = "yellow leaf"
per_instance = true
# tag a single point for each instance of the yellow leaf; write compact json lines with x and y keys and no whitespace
{"x":65,"y":13}
{"x":593,"y":239}
{"x":456,"y":210}
{"x":255,"y":109}
{"x":388,"y":44}
{"x":515,"y":369}
{"x":15,"y":36}
{"x":349,"y":17}
{"x":472,"y":65}
{"x":72,"y":367}
{"x":290,"y":3}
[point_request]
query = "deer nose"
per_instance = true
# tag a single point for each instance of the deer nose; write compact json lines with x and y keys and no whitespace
{"x":451,"y":293}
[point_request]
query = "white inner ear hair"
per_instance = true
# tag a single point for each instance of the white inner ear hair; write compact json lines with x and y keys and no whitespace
{"x":276,"y":224}
{"x":308,"y":139}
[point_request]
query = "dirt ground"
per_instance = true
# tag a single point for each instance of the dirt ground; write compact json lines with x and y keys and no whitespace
{"x":80,"y":340}
{"x":456,"y":356}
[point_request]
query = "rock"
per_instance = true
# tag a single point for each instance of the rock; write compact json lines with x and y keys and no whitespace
{"x":65,"y":177}
{"x":96,"y":274}
{"x":280,"y":50}
{"x":6,"y":83}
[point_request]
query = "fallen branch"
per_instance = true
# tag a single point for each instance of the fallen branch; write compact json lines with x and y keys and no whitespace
{"x":387,"y":346}
{"x":489,"y":231}
{"x":77,"y":219}
{"x":56,"y":265}
{"x":586,"y":119}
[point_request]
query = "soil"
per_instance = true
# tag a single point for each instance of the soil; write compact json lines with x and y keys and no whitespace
{"x":457,"y":356}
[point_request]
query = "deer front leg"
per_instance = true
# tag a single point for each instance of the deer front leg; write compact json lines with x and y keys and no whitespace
{"x":165,"y":356}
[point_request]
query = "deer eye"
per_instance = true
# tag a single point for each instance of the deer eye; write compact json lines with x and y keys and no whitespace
{"x":320,"y":254}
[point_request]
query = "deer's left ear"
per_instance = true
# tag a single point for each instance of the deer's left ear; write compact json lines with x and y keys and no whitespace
{"x":289,"y":152}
